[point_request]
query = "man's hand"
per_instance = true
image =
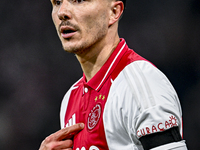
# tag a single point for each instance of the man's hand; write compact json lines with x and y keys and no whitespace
{"x":61,"y":139}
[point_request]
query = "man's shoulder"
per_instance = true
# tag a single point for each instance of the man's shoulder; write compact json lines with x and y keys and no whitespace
{"x":129,"y":57}
{"x":140,"y":71}
{"x":141,"y":76}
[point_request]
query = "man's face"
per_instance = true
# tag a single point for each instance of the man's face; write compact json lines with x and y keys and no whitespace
{"x":81,"y":24}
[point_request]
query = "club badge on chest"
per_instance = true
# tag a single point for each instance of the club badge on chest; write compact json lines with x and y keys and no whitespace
{"x":94,"y":116}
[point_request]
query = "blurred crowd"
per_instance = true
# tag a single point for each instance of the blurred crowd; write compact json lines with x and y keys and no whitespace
{"x":35,"y":72}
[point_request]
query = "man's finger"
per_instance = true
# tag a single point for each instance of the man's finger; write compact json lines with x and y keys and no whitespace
{"x":69,"y":132}
{"x":67,"y":144}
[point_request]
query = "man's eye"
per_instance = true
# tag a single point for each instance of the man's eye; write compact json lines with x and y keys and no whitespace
{"x":57,"y":2}
{"x":78,"y":1}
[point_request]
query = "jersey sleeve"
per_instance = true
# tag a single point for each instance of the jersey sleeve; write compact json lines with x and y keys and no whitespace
{"x":63,"y":108}
{"x":156,"y":99}
{"x":172,"y":146}
{"x":64,"y":103}
{"x":142,"y":101}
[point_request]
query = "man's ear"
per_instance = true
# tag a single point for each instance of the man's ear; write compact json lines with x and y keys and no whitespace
{"x":116,"y":11}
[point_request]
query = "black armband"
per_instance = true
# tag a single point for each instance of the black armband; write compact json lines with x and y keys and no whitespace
{"x":160,"y":138}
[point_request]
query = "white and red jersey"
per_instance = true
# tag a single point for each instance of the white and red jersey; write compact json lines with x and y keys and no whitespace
{"x":127,"y":99}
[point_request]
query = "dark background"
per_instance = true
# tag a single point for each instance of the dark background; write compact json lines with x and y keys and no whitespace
{"x":35,"y":72}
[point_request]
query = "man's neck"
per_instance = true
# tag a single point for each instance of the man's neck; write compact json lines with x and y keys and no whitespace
{"x":94,"y":58}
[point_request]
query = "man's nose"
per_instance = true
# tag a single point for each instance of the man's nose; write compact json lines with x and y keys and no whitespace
{"x":64,"y":11}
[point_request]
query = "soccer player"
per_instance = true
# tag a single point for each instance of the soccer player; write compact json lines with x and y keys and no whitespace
{"x":122,"y":102}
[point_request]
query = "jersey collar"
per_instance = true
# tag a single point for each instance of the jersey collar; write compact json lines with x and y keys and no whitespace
{"x":102,"y":75}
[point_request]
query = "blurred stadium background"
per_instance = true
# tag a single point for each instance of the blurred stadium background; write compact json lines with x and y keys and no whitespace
{"x":35,"y":72}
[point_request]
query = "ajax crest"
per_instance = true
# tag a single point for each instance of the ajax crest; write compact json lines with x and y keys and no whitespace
{"x":94,"y":116}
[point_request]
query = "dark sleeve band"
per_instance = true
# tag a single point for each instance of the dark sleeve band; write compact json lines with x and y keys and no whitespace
{"x":160,"y":138}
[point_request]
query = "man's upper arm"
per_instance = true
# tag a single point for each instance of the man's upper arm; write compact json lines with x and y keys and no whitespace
{"x":159,"y":123}
{"x":172,"y":146}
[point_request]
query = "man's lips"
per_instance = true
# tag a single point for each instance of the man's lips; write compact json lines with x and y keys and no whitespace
{"x":67,"y":32}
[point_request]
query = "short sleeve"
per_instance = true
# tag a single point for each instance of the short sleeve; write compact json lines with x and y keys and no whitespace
{"x":157,"y":100}
{"x":141,"y":101}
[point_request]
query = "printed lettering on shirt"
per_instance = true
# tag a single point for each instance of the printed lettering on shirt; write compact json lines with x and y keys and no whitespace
{"x":94,"y":116}
{"x":71,"y":121}
{"x":158,"y":127}
{"x":91,"y":148}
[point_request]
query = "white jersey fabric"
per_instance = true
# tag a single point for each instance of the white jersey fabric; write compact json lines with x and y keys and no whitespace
{"x":154,"y":106}
{"x":128,"y":99}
